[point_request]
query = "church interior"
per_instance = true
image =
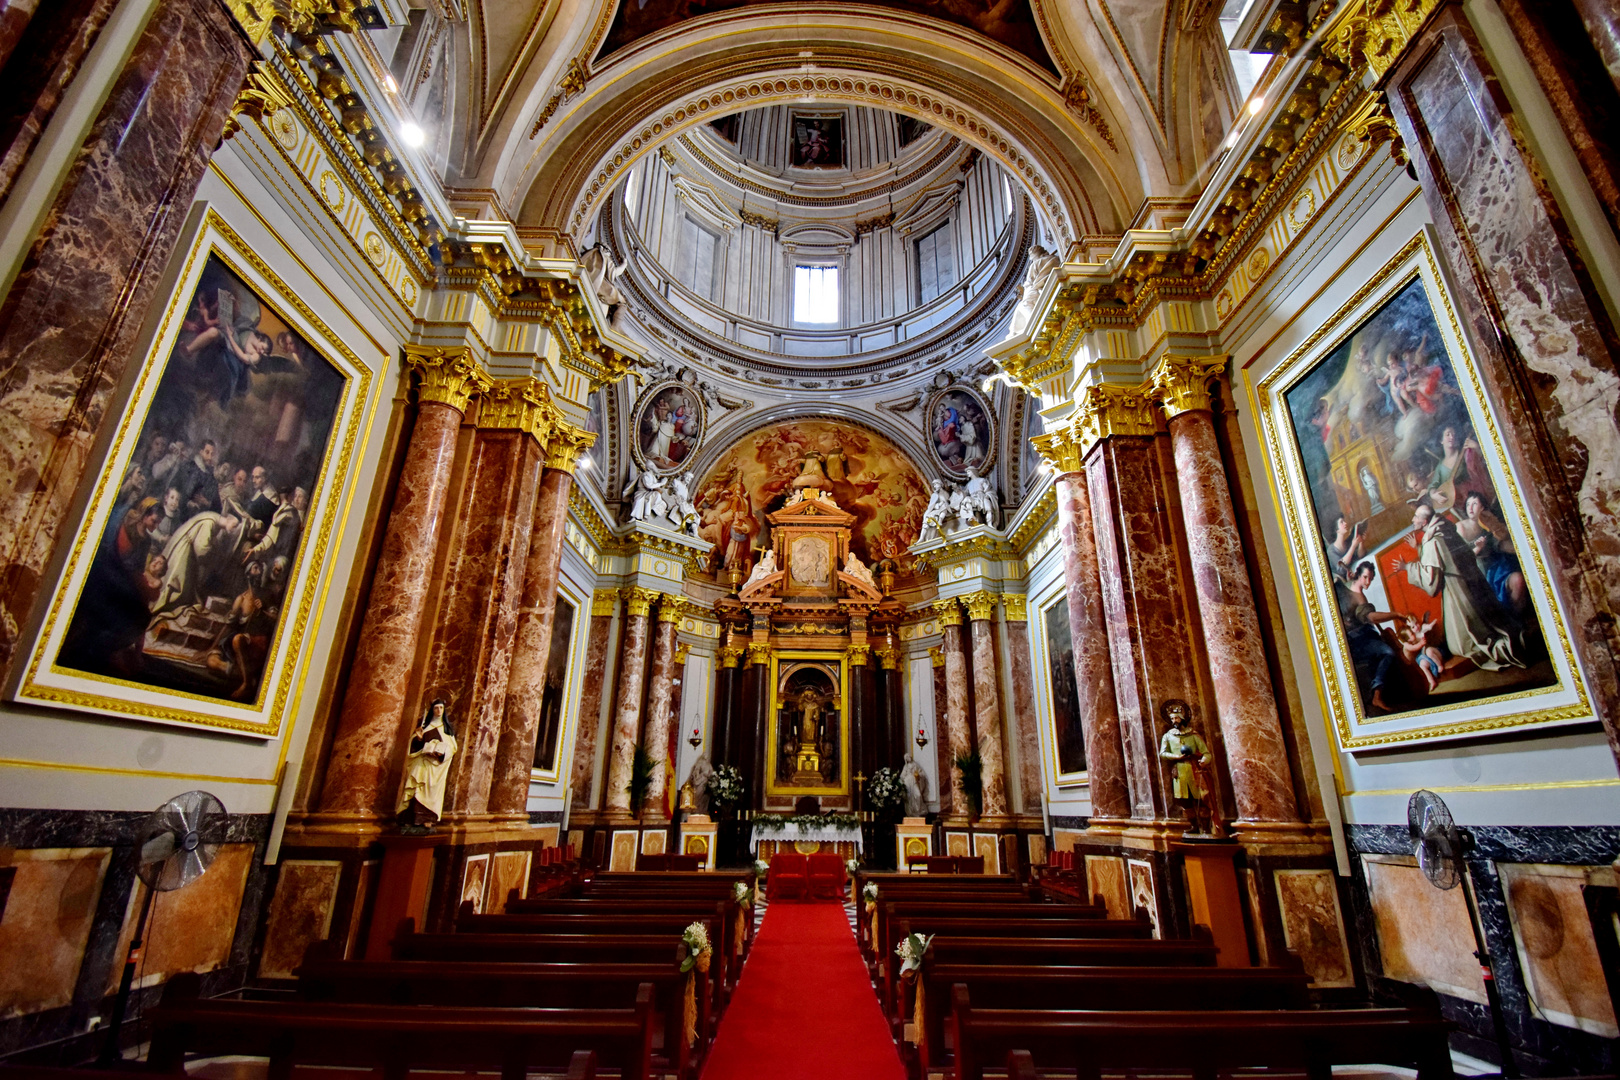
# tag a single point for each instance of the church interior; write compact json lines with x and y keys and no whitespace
{"x":830,"y":538}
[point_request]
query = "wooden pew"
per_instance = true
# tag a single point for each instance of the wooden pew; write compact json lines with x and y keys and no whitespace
{"x":1115,"y":988}
{"x":674,"y":924}
{"x":394,"y":1040}
{"x":1200,"y":1043}
{"x":882,"y":940}
{"x":695,"y":906}
{"x":509,"y":986}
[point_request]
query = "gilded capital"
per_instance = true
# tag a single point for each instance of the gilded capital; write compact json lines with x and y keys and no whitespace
{"x":759,"y":653}
{"x":729,"y":656}
{"x":859,"y":655}
{"x":567,"y":443}
{"x":671,"y":608}
{"x":950,"y":612}
{"x":1016,"y":607}
{"x":1061,"y":448}
{"x":1181,"y":383}
{"x":1377,"y":33}
{"x":448,"y":376}
{"x":639,"y":601}
{"x":936,"y":656}
{"x":981,"y":605}
{"x":889,"y":658}
{"x":682,"y":651}
{"x":604,"y":602}
{"x":262,"y":96}
{"x":517,"y":405}
{"x":1108,"y":410}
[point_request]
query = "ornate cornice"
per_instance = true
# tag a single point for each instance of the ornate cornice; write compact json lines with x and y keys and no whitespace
{"x":448,"y":376}
{"x":981,"y":605}
{"x":1037,"y":521}
{"x":256,"y":17}
{"x":593,"y":523}
{"x":604,"y":602}
{"x":1015,"y":607}
{"x":1374,"y":34}
{"x":567,"y":444}
{"x":950,"y":612}
{"x":639,"y":601}
{"x":261,"y":97}
{"x":1181,"y":383}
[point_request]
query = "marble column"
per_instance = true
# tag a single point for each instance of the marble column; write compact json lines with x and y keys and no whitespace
{"x":863,"y":732}
{"x":897,"y":739}
{"x":1088,"y":625}
{"x":71,"y":321}
{"x":1144,"y":601}
{"x":661,"y":706}
{"x":987,"y":705}
{"x":362,"y":773}
{"x":1245,"y":699}
{"x":594,"y":680}
{"x":627,"y":711}
{"x":1021,"y":676}
{"x":1549,"y":351}
{"x":536,"y":614}
{"x":757,"y":715}
{"x":942,"y":739}
{"x":958,"y":733}
{"x":721,"y":748}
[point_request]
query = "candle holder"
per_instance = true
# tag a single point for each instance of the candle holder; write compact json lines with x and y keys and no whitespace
{"x":922,"y":738}
{"x":696,"y":740}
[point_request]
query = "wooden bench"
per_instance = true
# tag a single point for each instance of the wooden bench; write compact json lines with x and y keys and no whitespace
{"x":1202,"y":1044}
{"x":394,"y":1040}
{"x":517,"y":986}
{"x":674,"y":924}
{"x":883,"y":932}
{"x":694,"y":906}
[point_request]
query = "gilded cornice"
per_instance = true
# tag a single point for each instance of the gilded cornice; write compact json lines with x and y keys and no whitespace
{"x":1036,"y":522}
{"x":981,"y":605}
{"x":1181,"y":383}
{"x":987,"y":545}
{"x":261,"y":97}
{"x":518,"y":405}
{"x":639,"y":601}
{"x":604,"y":602}
{"x":448,"y":376}
{"x":567,"y":444}
{"x":949,"y":611}
{"x":729,"y":656}
{"x":256,"y":17}
{"x":1107,"y":410}
{"x":592,"y":522}
{"x":671,"y":608}
{"x":1375,"y":33}
{"x":1015,"y":606}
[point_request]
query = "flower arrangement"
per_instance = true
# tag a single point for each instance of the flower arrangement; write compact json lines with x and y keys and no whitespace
{"x":885,"y":791}
{"x":696,"y":939}
{"x":761,"y":868}
{"x":726,"y":786}
{"x":741,"y":893}
{"x":911,"y":950}
{"x":853,"y":866}
{"x":778,"y":822}
{"x":871,"y":893}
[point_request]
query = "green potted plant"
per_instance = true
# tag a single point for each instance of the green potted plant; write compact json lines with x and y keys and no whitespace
{"x":971,"y":766}
{"x":641,"y":775}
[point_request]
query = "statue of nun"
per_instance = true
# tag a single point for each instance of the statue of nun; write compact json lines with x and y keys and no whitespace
{"x":427,"y":768}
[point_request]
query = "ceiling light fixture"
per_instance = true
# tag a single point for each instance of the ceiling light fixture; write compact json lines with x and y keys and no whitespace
{"x":1257,"y":104}
{"x":412,"y":134}
{"x":390,"y":85}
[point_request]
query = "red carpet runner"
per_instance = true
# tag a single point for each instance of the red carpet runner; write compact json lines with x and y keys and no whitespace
{"x":804,"y":1009}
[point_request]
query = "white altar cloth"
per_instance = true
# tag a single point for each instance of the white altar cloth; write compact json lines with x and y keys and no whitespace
{"x":794,"y":831}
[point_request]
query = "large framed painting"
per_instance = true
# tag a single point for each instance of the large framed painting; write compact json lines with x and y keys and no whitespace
{"x":961,"y":431}
{"x":1424,"y":586}
{"x":669,"y":424}
{"x":807,"y":742}
{"x":203,"y":552}
{"x":1068,"y":736}
{"x":817,"y":141}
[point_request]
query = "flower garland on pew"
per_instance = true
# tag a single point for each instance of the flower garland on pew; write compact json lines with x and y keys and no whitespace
{"x":852,"y":867}
{"x":698,"y":954}
{"x":911,"y":950}
{"x":744,"y":896}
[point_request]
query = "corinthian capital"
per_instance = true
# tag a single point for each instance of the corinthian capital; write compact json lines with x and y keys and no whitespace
{"x":1181,"y":383}
{"x":448,"y":376}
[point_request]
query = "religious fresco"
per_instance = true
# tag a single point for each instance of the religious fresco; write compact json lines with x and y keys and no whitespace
{"x":867,"y":476}
{"x":818,"y":141}
{"x":668,"y":424}
{"x":552,"y":694}
{"x":185,"y":590}
{"x":961,"y":431}
{"x":1067,"y":733}
{"x":1430,"y":589}
{"x":1008,"y":22}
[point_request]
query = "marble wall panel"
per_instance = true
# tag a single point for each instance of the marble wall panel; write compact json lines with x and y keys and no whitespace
{"x":1557,"y":950}
{"x":988,"y":848}
{"x":190,"y":929}
{"x":1424,"y":933}
{"x":1036,"y":849}
{"x":1063,"y":839}
{"x":653,"y":842}
{"x":1313,"y":925}
{"x":1143,"y":894}
{"x":300,"y":913}
{"x":46,"y":924}
{"x":509,"y":871}
{"x":474,"y":881}
{"x":1106,"y":877}
{"x":956,"y":843}
{"x":624,"y":850}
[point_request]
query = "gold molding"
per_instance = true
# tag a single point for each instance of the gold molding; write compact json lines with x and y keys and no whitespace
{"x":518,"y":405}
{"x":449,"y":376}
{"x":1015,"y":607}
{"x":981,"y":605}
{"x":758,"y":654}
{"x":1062,"y":448}
{"x":950,"y":612}
{"x":261,"y":97}
{"x":1181,"y":383}
{"x":639,"y":601}
{"x":604,"y":602}
{"x":889,"y":658}
{"x":567,"y":443}
{"x":1107,"y":411}
{"x":730,"y":655}
{"x":859,"y":655}
{"x":671,"y":608}
{"x":1376,"y":33}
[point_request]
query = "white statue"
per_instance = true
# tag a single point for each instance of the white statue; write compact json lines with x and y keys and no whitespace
{"x":603,"y":273}
{"x":981,"y":496}
{"x":963,"y":509}
{"x":427,"y":768}
{"x":937,"y":512}
{"x":649,"y":500}
{"x":682,"y":511}
{"x":857,"y":569}
{"x":699,"y":779}
{"x":916,"y":782}
{"x":1043,"y":266}
{"x":762,"y":569}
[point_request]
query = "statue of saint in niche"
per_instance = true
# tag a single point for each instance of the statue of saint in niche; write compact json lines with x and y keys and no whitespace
{"x":808,"y":733}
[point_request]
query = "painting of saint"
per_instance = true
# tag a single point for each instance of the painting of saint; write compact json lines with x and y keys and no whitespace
{"x":809,"y":733}
{"x":552,"y":695}
{"x":818,"y":142}
{"x":1068,"y":734}
{"x":866,"y":475}
{"x":185,"y":590}
{"x":960,"y":431}
{"x":669,"y":427}
{"x":1431,"y":596}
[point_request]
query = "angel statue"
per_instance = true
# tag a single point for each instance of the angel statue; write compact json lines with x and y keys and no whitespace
{"x":1043,"y":265}
{"x":648,"y":498}
{"x":937,"y":512}
{"x":682,"y":510}
{"x":762,"y":569}
{"x":427,"y":767}
{"x":857,"y":569}
{"x":916,"y":785}
{"x":603,"y":273}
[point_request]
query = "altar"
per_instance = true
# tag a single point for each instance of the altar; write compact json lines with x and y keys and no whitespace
{"x":806,"y":839}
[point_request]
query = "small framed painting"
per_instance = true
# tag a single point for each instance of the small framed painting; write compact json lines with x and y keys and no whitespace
{"x":961,"y":431}
{"x":1420,"y":575}
{"x":669,"y":427}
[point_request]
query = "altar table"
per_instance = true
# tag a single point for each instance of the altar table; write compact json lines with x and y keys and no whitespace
{"x":805,"y":839}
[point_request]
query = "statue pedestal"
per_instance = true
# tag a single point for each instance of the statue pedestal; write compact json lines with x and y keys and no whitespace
{"x":402,"y":888}
{"x":699,"y":836}
{"x":1212,"y":893}
{"x":913,"y":836}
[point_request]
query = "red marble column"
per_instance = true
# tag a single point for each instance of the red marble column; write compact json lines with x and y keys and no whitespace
{"x":987,"y":705}
{"x":1021,"y":674}
{"x":958,"y":735}
{"x":942,"y":737}
{"x":627,"y":713}
{"x":363,"y":771}
{"x":537,"y":611}
{"x":71,"y":321}
{"x":1144,"y":604}
{"x":661,"y":706}
{"x":1245,"y":700}
{"x":603,"y":606}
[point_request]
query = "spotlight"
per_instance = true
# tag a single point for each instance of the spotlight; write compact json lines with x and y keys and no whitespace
{"x":1257,"y":104}
{"x":390,"y":85}
{"x":584,"y":462}
{"x":412,"y":134}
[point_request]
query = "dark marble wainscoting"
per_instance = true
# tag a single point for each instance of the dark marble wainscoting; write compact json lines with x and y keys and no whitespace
{"x":76,"y":877}
{"x":1541,"y":1048}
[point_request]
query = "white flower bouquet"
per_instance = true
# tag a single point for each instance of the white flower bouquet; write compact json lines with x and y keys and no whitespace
{"x":696,"y":939}
{"x":911,"y":950}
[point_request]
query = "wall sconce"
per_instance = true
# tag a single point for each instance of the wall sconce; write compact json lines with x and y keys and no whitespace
{"x":697,"y":738}
{"x":922,"y":738}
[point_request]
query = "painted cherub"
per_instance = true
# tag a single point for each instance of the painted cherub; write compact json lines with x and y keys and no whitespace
{"x":1413,"y":635}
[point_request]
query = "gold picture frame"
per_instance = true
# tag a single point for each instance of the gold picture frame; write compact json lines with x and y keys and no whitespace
{"x":264,"y":712}
{"x":772,"y":742}
{"x":1414,"y":429}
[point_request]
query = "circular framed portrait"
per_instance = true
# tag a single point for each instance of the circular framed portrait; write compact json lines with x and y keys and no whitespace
{"x":669,"y":424}
{"x":961,"y":431}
